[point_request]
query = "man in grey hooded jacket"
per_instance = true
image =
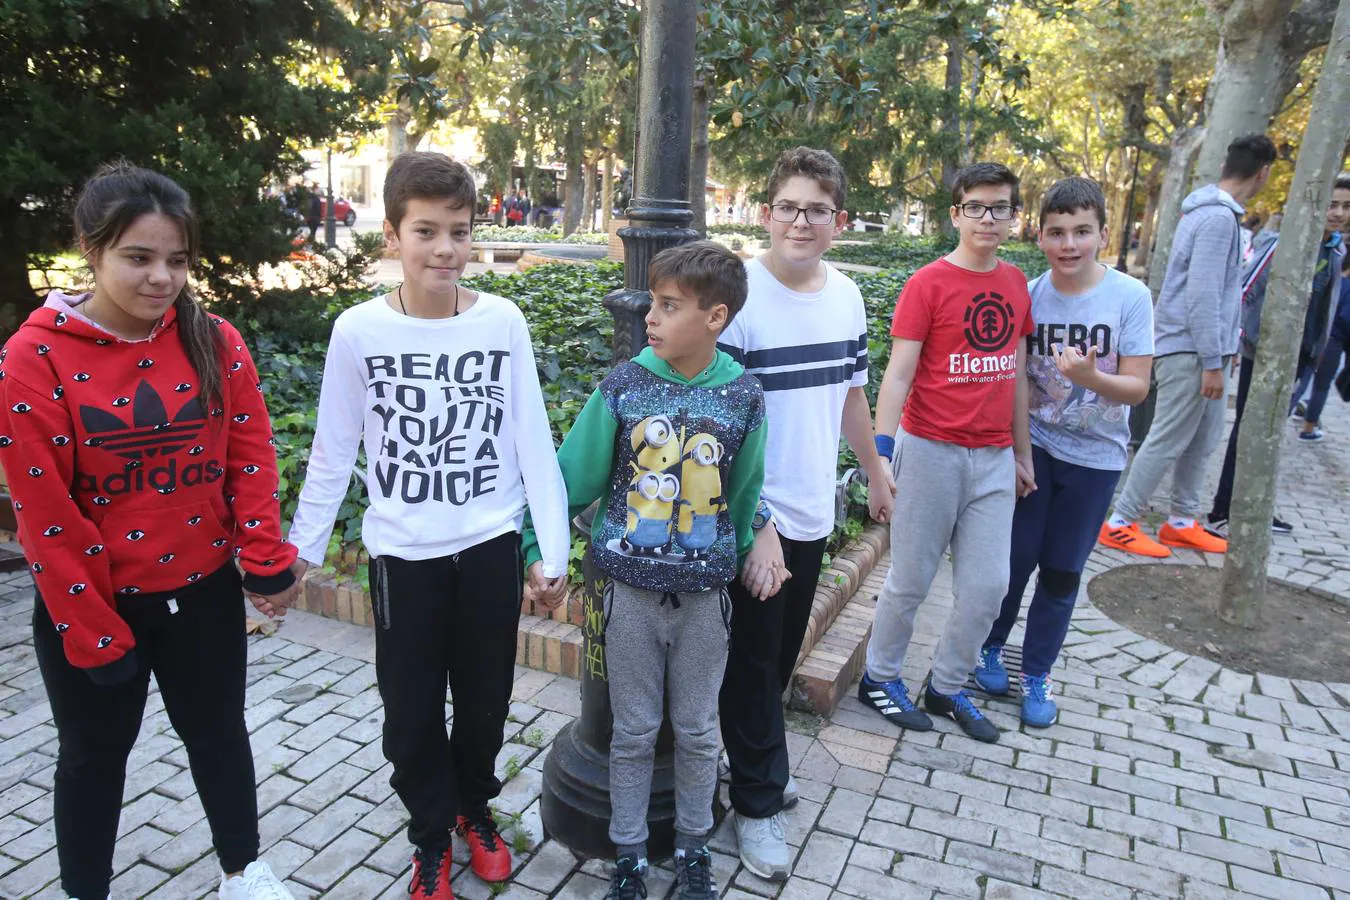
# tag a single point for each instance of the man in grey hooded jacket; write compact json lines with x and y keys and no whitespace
{"x":1195,"y":325}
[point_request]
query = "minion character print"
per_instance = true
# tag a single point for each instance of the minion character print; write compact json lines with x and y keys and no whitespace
{"x":653,"y":489}
{"x":675,"y":494}
{"x":701,"y":496}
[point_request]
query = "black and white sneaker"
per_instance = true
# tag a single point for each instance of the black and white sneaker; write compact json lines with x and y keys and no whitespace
{"x":1219,"y":527}
{"x":891,"y":699}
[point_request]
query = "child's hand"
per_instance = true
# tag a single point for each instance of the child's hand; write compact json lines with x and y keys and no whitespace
{"x":1026,"y":476}
{"x":546,"y":592}
{"x":555,"y":592}
{"x":764,"y":571}
{"x":1078,"y":367}
{"x":881,"y":492}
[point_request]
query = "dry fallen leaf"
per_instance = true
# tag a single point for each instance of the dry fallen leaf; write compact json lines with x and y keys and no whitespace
{"x":259,"y":626}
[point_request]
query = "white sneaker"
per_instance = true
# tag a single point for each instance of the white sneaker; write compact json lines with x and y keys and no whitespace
{"x":255,"y":883}
{"x":763,"y":846}
{"x":790,"y":793}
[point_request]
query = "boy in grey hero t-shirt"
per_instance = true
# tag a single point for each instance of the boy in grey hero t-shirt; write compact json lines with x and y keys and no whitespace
{"x":1087,"y":362}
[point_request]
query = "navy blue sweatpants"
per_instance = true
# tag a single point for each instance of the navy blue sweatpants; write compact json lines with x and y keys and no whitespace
{"x":1054,"y":528}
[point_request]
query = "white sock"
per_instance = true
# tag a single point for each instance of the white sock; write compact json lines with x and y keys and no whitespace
{"x":1118,"y":521}
{"x":1180,"y":522}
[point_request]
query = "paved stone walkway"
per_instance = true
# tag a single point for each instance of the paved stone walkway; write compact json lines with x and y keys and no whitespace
{"x":1167,"y":775}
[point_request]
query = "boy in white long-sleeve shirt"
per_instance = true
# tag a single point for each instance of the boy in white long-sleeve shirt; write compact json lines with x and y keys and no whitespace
{"x":441,"y":383}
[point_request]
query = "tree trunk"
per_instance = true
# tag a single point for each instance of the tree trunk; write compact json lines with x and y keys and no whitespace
{"x":588,"y":204}
{"x":698,"y":160}
{"x":1151,"y":192}
{"x":572,"y":187}
{"x":951,"y":119}
{"x":1262,"y":44}
{"x":531,"y":159}
{"x":1185,"y":143}
{"x":1264,"y":419}
{"x":396,"y":134}
{"x":17,"y":298}
{"x":607,"y":193}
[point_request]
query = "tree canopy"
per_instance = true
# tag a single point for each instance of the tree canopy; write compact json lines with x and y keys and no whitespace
{"x":221,"y":96}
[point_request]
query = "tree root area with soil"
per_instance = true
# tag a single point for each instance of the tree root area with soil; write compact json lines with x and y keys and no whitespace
{"x":1301,"y":635}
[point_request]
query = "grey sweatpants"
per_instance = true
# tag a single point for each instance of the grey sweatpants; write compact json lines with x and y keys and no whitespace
{"x":945,"y":496}
{"x":653,"y":650}
{"x":1186,"y":430}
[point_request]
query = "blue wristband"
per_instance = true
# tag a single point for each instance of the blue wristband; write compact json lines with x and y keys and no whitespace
{"x":885,"y":445}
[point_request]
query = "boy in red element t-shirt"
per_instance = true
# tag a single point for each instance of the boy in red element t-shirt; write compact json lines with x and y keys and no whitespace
{"x":962,"y":454}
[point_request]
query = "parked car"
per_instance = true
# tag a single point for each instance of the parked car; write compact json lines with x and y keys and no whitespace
{"x":342,"y":211}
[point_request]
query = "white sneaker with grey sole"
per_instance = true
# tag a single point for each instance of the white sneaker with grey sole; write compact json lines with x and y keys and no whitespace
{"x":763,"y":846}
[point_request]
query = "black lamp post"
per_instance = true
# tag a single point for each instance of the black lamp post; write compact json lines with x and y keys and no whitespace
{"x":575,"y":800}
{"x":330,"y":214}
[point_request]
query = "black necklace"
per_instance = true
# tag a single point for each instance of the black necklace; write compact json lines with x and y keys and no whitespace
{"x":405,"y":309}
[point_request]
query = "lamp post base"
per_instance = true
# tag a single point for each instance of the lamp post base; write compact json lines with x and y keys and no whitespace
{"x":574,"y":805}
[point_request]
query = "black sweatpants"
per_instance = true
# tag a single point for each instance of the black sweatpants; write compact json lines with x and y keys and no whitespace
{"x":765,"y":640}
{"x":198,"y":655}
{"x":450,"y":620}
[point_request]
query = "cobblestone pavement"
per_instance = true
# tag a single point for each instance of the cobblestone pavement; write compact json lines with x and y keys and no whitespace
{"x":1167,"y":775}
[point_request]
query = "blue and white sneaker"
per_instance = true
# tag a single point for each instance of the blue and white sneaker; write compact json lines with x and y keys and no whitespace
{"x":1311,"y":437}
{"x":891,"y":699}
{"x":990,"y":673}
{"x":961,"y":710}
{"x":1038,"y":705}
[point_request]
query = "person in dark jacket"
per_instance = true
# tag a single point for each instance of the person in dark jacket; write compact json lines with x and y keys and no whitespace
{"x":1317,"y":336}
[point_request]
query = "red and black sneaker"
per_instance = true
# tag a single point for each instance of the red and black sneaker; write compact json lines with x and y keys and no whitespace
{"x":431,"y":874}
{"x":490,"y":859}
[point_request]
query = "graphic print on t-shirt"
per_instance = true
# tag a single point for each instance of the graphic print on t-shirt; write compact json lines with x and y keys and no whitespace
{"x":990,"y":322}
{"x":441,"y":419}
{"x":1057,"y":400}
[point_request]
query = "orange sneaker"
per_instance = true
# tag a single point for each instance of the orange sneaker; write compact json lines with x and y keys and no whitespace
{"x":1193,"y":537}
{"x":1132,"y":540}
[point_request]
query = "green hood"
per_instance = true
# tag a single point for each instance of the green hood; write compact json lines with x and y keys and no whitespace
{"x":722,"y":370}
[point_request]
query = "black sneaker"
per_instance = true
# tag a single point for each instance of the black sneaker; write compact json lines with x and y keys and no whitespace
{"x":1219,"y":527}
{"x":959,"y":708}
{"x":694,"y":875}
{"x":891,"y":699}
{"x":627,"y":881}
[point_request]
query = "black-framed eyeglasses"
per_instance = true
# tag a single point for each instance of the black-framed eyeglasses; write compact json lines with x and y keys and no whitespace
{"x":815,"y":215}
{"x":1001,"y":213}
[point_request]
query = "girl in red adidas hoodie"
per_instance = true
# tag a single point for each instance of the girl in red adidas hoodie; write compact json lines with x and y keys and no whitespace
{"x":140,"y":459}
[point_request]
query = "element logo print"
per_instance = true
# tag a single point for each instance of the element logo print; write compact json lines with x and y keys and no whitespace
{"x":989,"y":322}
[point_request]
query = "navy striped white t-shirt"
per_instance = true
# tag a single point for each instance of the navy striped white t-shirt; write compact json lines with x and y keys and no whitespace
{"x":807,"y":350}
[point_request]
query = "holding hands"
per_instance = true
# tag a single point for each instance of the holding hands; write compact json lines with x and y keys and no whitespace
{"x":764,"y":570}
{"x":274,"y":606}
{"x":547,"y":592}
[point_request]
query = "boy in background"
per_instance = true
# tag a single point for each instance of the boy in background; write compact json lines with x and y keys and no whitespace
{"x":1195,"y":334}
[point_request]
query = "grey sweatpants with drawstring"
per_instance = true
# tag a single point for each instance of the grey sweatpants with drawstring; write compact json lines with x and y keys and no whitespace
{"x":954,"y":497}
{"x":654,"y":649}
